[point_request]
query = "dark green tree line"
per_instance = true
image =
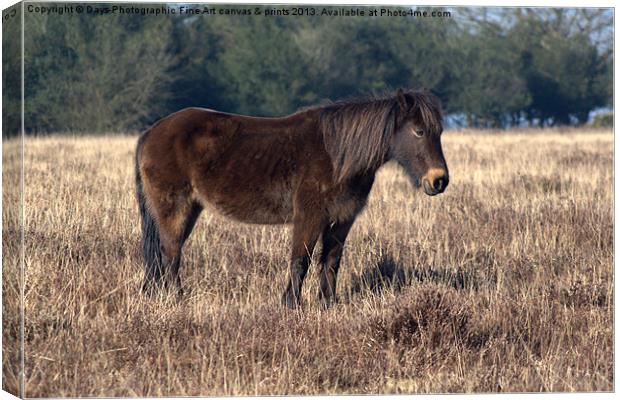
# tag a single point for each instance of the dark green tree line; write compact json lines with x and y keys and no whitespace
{"x":491,"y":67}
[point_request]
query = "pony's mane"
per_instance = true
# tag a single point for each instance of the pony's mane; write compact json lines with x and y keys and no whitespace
{"x":357,"y":131}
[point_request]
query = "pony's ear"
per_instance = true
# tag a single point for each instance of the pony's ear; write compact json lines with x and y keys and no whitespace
{"x":402,"y":101}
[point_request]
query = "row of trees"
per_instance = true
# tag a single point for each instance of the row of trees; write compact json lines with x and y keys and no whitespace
{"x":491,"y":67}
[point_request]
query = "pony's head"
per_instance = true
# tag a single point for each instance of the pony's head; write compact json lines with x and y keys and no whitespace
{"x":416,"y":141}
{"x":362,"y":134}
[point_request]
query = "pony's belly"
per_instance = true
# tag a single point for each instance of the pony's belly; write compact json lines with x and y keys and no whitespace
{"x":255,"y":207}
{"x":260,"y":214}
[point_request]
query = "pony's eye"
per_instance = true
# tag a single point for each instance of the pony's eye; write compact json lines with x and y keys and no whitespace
{"x":419,"y":133}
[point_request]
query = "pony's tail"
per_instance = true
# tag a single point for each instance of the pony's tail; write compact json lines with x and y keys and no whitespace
{"x":151,"y":250}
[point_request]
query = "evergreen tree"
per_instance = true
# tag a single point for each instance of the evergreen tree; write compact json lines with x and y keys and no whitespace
{"x":497,"y":67}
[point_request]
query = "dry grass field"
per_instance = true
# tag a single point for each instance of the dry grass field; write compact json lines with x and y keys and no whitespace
{"x":502,"y":284}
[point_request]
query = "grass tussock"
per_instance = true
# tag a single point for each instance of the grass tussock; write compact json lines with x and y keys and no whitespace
{"x":502,"y":284}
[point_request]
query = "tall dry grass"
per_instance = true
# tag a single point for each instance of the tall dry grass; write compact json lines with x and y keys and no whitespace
{"x":502,"y":284}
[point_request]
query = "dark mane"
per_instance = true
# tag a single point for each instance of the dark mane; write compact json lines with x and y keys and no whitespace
{"x":357,"y":131}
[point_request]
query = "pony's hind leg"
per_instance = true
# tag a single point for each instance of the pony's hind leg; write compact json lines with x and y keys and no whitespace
{"x":176,"y":217}
{"x":188,"y":226}
{"x":173,"y":237}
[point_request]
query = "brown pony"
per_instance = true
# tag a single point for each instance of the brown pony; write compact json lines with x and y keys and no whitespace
{"x":313,"y":169}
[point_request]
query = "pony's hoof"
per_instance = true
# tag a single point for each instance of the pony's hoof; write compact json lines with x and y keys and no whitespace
{"x":289,"y":300}
{"x":327,"y":302}
{"x":147,"y":289}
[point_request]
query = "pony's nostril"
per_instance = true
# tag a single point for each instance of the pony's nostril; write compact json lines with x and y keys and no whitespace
{"x":440,"y":184}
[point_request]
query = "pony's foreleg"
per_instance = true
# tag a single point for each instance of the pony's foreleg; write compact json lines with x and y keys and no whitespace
{"x":306,"y":231}
{"x":333,"y":239}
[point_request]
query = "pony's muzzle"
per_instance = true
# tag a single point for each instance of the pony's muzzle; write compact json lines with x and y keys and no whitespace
{"x":435,"y":181}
